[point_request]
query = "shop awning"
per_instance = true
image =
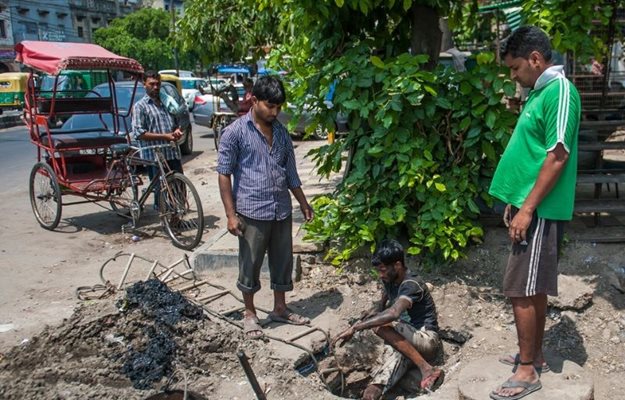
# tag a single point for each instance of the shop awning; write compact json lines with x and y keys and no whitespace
{"x":511,"y":10}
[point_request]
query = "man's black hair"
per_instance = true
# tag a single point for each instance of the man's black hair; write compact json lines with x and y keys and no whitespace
{"x":151,"y":74}
{"x":270,"y":89}
{"x":525,"y":40}
{"x":388,"y":252}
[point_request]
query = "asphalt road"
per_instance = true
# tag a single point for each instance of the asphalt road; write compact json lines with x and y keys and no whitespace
{"x":18,"y":154}
{"x":17,"y":157}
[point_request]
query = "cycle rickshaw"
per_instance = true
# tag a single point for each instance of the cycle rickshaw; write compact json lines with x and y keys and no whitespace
{"x":96,"y":164}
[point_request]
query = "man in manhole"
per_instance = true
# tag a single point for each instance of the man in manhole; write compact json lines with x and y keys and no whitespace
{"x":408,"y":326}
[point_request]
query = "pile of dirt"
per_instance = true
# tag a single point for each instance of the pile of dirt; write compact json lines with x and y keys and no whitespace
{"x":157,"y":341}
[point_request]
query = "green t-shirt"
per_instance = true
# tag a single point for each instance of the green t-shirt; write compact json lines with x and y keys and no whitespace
{"x":550,"y":116}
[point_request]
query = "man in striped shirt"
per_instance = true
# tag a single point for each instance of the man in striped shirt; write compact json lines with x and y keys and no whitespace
{"x":153,"y":125}
{"x":256,"y":150}
{"x":536,"y":179}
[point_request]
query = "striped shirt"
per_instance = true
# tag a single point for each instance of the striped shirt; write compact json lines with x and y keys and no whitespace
{"x":262,"y":175}
{"x":147,"y":116}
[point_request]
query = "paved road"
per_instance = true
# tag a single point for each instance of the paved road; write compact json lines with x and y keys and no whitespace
{"x":17,"y":156}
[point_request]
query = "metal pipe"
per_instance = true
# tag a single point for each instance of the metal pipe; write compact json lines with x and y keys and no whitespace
{"x":260,"y":395}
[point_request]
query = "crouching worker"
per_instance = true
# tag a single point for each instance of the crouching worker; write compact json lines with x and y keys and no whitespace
{"x":405,"y":319}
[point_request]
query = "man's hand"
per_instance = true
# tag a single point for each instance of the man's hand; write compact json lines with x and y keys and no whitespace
{"x":176,"y":134}
{"x":235,"y":226}
{"x":307,"y":211}
{"x":344,"y":336}
{"x":517,"y":231}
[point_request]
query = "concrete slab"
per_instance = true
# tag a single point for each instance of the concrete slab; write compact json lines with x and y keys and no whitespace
{"x":565,"y":381}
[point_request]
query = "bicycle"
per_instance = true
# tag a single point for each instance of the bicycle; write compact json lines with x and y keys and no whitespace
{"x":179,"y":205}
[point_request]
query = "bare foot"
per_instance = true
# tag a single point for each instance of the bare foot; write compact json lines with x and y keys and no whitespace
{"x":372,"y":392}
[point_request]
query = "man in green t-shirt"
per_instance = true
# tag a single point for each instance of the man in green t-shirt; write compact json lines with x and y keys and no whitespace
{"x":536,"y":179}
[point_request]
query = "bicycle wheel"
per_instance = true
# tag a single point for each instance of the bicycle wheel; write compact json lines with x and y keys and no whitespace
{"x":181,"y":212}
{"x":45,"y":196}
{"x":217,"y":131}
{"x":122,"y":199}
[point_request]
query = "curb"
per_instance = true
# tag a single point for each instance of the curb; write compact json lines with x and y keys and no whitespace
{"x":10,"y":121}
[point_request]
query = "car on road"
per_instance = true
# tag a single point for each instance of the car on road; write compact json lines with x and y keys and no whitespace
{"x":180,"y":72}
{"x":192,"y":87}
{"x":123,"y":91}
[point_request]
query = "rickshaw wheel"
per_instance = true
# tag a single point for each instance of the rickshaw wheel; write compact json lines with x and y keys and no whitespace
{"x":123,"y":200}
{"x":45,"y":196}
{"x":217,"y":133}
{"x":181,"y":213}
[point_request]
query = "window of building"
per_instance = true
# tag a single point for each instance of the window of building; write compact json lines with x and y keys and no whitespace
{"x":3,"y":32}
{"x":29,"y":27}
{"x":80,"y":32}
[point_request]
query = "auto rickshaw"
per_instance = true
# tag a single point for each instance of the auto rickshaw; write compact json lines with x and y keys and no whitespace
{"x":174,"y":80}
{"x":12,"y":89}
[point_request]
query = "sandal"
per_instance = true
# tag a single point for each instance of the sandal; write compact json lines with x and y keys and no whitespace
{"x":510,"y":384}
{"x":252,"y":325}
{"x":288,"y":318}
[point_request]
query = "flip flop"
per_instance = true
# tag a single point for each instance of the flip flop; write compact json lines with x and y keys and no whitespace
{"x":433,"y":381}
{"x":251,"y":325}
{"x":516,"y":359}
{"x":288,"y":318}
{"x":509,"y":384}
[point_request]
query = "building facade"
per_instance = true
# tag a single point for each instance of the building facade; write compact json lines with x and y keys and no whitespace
{"x":7,"y":54}
{"x":89,"y":15}
{"x":54,"y":21}
{"x":167,"y":5}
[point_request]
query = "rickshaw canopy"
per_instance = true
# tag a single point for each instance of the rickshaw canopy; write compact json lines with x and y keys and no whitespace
{"x":53,"y":57}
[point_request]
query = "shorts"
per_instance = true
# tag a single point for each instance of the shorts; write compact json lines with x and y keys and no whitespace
{"x":533,"y":267}
{"x":274,"y":238}
{"x":394,"y":365}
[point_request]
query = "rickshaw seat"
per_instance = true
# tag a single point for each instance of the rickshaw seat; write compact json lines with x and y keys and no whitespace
{"x":76,"y":105}
{"x":83,"y":139}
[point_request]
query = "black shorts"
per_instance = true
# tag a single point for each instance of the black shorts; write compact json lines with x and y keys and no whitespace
{"x":533,"y":267}
{"x":275,"y":238}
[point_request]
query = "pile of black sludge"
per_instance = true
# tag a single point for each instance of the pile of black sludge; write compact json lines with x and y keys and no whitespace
{"x":156,"y":301}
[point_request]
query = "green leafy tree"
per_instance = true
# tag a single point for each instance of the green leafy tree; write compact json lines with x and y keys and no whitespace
{"x":142,"y":35}
{"x":575,"y":26}
{"x":424,"y":140}
{"x":227,"y":30}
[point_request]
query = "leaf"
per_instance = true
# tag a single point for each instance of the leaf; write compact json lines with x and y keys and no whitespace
{"x":339,"y":2}
{"x":407,"y":4}
{"x":440,"y":187}
{"x":491,"y":118}
{"x":464,"y":124}
{"x":473,"y":132}
{"x":375,"y":60}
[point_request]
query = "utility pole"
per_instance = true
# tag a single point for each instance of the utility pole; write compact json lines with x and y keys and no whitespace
{"x":173,"y":30}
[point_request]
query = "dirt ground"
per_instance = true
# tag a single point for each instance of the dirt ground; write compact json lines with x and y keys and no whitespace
{"x":82,"y":353}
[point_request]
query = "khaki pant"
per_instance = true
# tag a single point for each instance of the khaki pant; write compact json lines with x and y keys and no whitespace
{"x":394,"y":364}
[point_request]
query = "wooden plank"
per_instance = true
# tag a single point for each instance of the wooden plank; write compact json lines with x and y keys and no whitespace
{"x":612,"y":206}
{"x":600,"y":178}
{"x":602,"y":124}
{"x":602,"y":146}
